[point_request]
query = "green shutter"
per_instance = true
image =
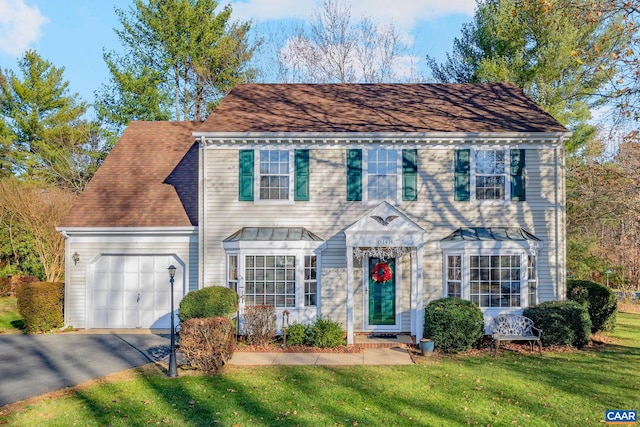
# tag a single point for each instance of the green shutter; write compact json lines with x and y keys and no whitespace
{"x":410,"y":174}
{"x":245,"y":181}
{"x":518,"y":192}
{"x":301,"y":175}
{"x":354,"y":175}
{"x":462,"y":175}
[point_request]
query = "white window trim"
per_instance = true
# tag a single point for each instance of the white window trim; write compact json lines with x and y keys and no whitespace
{"x":490,"y":248}
{"x":507,"y":175}
{"x":256,"y":178}
{"x":365,"y":176}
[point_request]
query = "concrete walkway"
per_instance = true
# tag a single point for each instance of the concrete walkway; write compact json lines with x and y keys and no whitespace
{"x":369,"y":356}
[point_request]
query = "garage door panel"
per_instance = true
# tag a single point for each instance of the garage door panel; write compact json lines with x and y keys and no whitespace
{"x":130,"y":291}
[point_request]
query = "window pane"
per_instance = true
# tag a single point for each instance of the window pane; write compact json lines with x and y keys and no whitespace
{"x":490,"y":171}
{"x":274,"y":174}
{"x":310,"y":283}
{"x":382,"y":177}
{"x":492,"y":281}
{"x":270,"y":280}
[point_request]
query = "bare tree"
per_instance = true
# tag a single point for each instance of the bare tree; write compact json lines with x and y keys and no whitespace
{"x":39,"y":210}
{"x":332,"y":48}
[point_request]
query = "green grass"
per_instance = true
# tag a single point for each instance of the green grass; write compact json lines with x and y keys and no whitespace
{"x":560,"y":389}
{"x":10,"y":319}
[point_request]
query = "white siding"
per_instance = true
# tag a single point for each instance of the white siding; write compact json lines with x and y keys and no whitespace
{"x":328,"y":214}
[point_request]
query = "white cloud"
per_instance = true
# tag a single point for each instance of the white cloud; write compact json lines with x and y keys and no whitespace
{"x":403,"y":14}
{"x":20,"y":26}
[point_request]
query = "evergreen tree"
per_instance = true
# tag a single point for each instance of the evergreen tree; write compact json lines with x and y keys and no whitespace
{"x":181,"y":58}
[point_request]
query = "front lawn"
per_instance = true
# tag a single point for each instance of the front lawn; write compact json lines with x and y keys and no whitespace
{"x":572,"y":388}
{"x":10,"y":319}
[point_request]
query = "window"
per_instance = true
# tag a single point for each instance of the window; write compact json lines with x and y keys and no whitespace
{"x":533,"y":280}
{"x":454,"y":276}
{"x":495,"y":280}
{"x":310,"y":281}
{"x":382,"y":168}
{"x":232,"y":272}
{"x":490,"y":174}
{"x":270,"y":280}
{"x":274,"y":174}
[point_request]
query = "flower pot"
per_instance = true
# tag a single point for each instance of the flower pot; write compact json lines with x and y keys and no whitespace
{"x":426,"y":346}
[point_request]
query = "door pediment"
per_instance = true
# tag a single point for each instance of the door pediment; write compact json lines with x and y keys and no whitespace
{"x":384,"y":226}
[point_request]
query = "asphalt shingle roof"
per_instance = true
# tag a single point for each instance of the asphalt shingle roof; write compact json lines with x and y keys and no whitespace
{"x":150,"y":179}
{"x":391,"y":108}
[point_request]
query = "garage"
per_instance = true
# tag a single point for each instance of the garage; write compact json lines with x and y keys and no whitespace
{"x":133,"y":291}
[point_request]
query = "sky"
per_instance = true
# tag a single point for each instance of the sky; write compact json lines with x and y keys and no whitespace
{"x":74,"y":33}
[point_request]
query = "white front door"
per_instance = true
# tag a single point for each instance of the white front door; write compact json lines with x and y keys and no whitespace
{"x":133,"y":291}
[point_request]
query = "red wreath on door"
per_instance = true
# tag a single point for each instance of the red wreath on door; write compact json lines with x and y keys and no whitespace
{"x":381,"y":272}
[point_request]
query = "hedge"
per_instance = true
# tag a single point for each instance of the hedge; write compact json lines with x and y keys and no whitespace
{"x":564,"y":323}
{"x":212,"y":301}
{"x":600,"y":301}
{"x":207,"y":344}
{"x":453,"y":324}
{"x":40,"y":305}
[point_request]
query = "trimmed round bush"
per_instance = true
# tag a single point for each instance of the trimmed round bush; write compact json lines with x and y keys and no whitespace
{"x":213,"y":301}
{"x":40,"y":305}
{"x":601,"y":303}
{"x":453,"y":324}
{"x":297,"y":334}
{"x":325,"y":333}
{"x":564,"y":323}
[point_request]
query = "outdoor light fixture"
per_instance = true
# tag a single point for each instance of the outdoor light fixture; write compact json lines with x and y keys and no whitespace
{"x":172,"y":372}
{"x":75,"y":258}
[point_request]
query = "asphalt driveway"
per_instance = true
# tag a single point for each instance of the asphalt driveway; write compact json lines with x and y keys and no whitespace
{"x":31,"y":365}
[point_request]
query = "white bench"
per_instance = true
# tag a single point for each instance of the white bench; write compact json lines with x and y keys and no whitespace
{"x":512,"y":327}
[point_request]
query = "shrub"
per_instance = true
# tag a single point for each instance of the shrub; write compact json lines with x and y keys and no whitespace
{"x":207,"y":344}
{"x":40,"y":305}
{"x":5,"y":287}
{"x":326,"y":333}
{"x":260,"y":324}
{"x":213,"y":301}
{"x":297,"y":334}
{"x":453,"y":324}
{"x":602,"y":304}
{"x":564,"y":323}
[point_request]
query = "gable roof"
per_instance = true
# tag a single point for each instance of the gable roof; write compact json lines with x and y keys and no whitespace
{"x":388,"y":108}
{"x":148,"y":180}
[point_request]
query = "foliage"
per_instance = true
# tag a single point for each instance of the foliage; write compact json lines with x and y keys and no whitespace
{"x":453,"y":324}
{"x":184,"y":52}
{"x":514,"y":389}
{"x":260,"y":324}
{"x":600,"y":301}
{"x":564,"y":323}
{"x":38,"y":209}
{"x":207,"y":344}
{"x":297,"y":334}
{"x":325,"y":333}
{"x":544,"y":47}
{"x":42,"y":128}
{"x":6,"y":287}
{"x":40,"y":305}
{"x":212,"y":301}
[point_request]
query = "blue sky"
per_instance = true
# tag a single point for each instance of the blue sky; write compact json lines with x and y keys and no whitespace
{"x":73,"y":33}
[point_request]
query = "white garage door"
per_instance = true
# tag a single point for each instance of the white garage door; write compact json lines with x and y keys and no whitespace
{"x":133,"y":291}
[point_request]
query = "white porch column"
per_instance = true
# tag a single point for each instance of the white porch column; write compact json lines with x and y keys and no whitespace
{"x":418,"y":314}
{"x":414,"y":292}
{"x":350,"y":318}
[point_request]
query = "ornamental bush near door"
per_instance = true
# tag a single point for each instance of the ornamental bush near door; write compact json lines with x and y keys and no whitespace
{"x":212,"y":301}
{"x":601,"y":303}
{"x":453,"y":324}
{"x":564,"y":323}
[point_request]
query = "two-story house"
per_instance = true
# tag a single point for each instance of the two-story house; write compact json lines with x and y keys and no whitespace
{"x":360,"y":203}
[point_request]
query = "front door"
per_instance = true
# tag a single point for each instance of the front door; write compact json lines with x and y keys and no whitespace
{"x":382,"y":291}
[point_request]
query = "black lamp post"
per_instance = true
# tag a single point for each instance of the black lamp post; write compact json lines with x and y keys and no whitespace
{"x":173,"y":371}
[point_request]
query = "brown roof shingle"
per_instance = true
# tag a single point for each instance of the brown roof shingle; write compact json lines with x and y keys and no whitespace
{"x":390,"y":108}
{"x":148,"y":180}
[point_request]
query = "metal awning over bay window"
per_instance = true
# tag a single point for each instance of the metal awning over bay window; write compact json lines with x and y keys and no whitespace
{"x":494,"y":267}
{"x":275,"y":266}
